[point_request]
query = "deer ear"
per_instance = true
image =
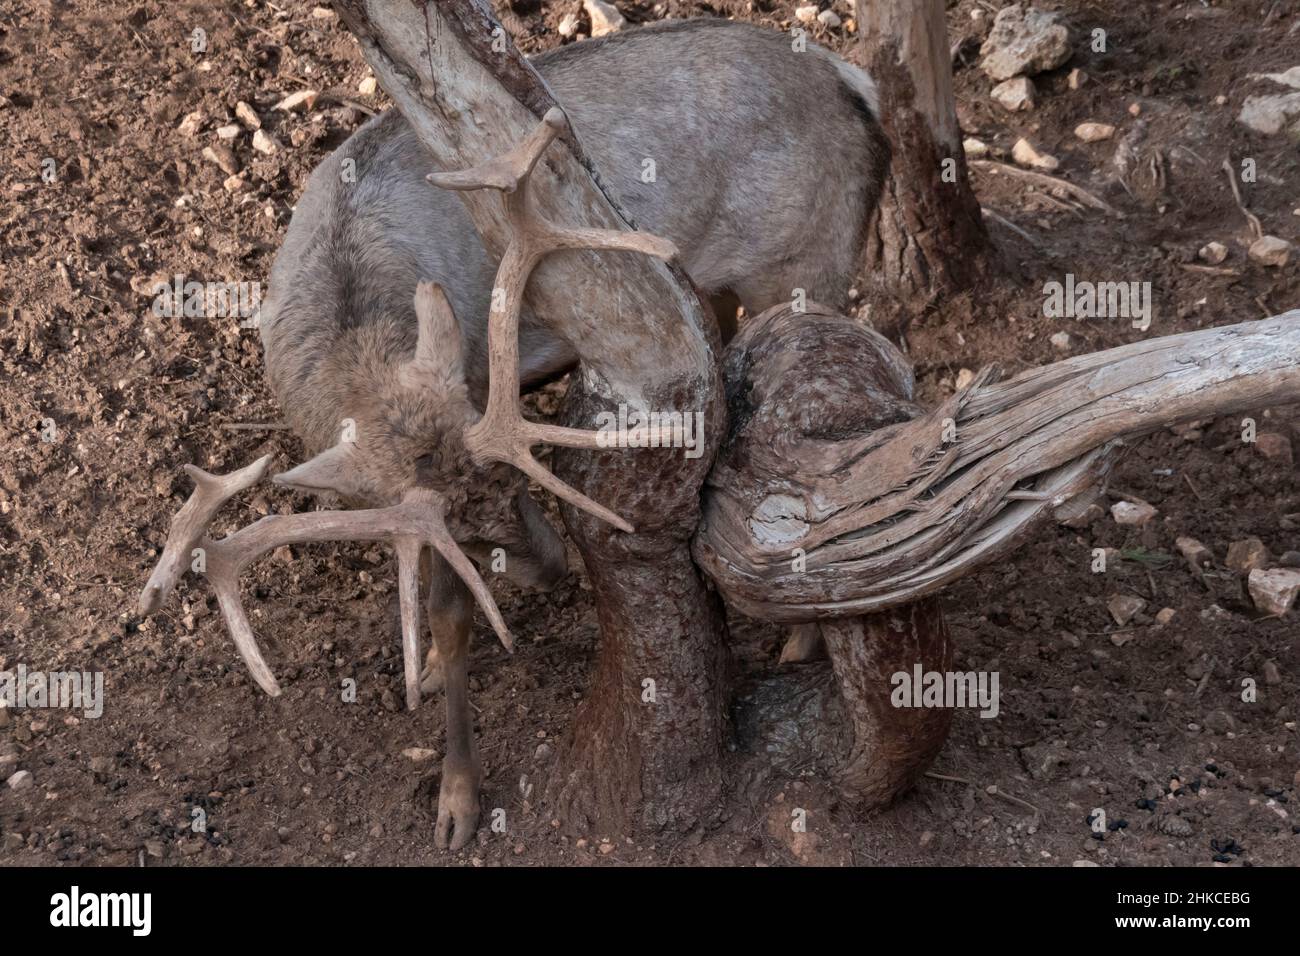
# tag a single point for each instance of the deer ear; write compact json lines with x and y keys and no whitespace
{"x":437,"y":358}
{"x":334,"y":469}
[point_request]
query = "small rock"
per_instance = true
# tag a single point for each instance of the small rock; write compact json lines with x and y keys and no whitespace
{"x":568,"y":25}
{"x":1094,"y":132}
{"x":1076,"y":78}
{"x":1246,"y":555}
{"x":1270,"y":251}
{"x":974,"y":148}
{"x":605,"y":17}
{"x":420,"y":754}
{"x":1015,"y":95}
{"x":234,"y":184}
{"x":1025,"y":154}
{"x":806,"y":14}
{"x":1061,"y":341}
{"x":282,"y":554}
{"x":22,"y":780}
{"x":247,"y":115}
{"x":829,"y":19}
{"x":264,"y":142}
{"x":1124,"y":607}
{"x":1213,"y":253}
{"x":190,"y":124}
{"x":1289,"y":559}
{"x":228,"y":132}
{"x":223,"y":157}
{"x":155,"y":848}
{"x":1272,"y":676}
{"x":299,"y":102}
{"x":13,"y":842}
{"x":1024,"y":41}
{"x":1219,"y":722}
{"x":1275,"y":447}
{"x":1271,"y":115}
{"x":368,"y":86}
{"x":322,"y":13}
{"x":964,"y":378}
{"x":1165,"y":616}
{"x":1132,"y":513}
{"x":1194,"y":553}
{"x":1274,"y":591}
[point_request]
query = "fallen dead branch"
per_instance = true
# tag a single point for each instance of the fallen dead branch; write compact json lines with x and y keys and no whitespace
{"x":806,"y":520}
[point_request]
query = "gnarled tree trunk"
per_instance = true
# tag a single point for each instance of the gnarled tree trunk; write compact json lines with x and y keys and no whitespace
{"x":928,"y":237}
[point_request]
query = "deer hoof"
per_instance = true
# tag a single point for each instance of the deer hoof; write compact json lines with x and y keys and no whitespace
{"x":431,"y":677}
{"x":457,"y":809}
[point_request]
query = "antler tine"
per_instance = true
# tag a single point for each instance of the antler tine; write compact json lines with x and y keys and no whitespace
{"x":191,"y":523}
{"x":419,"y":521}
{"x":503,"y":434}
{"x":508,"y":171}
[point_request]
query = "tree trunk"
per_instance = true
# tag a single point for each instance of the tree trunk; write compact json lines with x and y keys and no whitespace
{"x":928,"y":237}
{"x":639,"y":754}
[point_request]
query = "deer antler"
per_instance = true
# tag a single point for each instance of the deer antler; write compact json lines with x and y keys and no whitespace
{"x":503,"y":434}
{"x":414,"y":524}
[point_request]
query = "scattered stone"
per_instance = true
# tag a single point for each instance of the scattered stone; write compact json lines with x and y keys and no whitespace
{"x":228,"y":133}
{"x":283,"y":554}
{"x":368,"y":86}
{"x":1061,"y":341}
{"x":1270,"y":251}
{"x":21,"y":780}
{"x":233,"y":184}
{"x":1195,"y":553}
{"x":155,"y":848}
{"x":1274,"y":591}
{"x":191,"y":123}
{"x":1085,"y":863}
{"x":1135,"y":109}
{"x":806,"y":14}
{"x":322,"y":13}
{"x":1076,"y":78}
{"x":974,"y":148}
{"x":1124,"y":607}
{"x":568,"y":25}
{"x":1024,"y":41}
{"x":8,"y":763}
{"x":1246,"y":555}
{"x":829,"y":19}
{"x":964,"y":378}
{"x":299,"y":102}
{"x":420,"y":754}
{"x":605,"y":17}
{"x":1275,"y":447}
{"x":1094,"y":132}
{"x":1213,"y":253}
{"x":264,"y":142}
{"x":247,"y":115}
{"x":1289,"y":559}
{"x":1271,"y":115}
{"x":1132,"y":513}
{"x":223,"y":157}
{"x":1015,"y":95}
{"x":1025,"y":154}
{"x":1289,"y":77}
{"x":13,"y":842}
{"x":1165,"y":616}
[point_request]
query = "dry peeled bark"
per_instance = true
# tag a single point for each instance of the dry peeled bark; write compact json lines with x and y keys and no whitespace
{"x":837,"y":496}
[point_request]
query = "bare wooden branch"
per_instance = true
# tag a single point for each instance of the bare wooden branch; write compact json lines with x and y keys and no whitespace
{"x":805,"y":521}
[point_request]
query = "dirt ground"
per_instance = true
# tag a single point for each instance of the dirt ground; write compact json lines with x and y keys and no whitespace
{"x":1146,"y":721}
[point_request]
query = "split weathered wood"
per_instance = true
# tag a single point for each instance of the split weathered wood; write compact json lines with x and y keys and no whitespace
{"x":805,"y":524}
{"x":644,"y":341}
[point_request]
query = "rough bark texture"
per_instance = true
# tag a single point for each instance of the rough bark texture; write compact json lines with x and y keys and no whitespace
{"x":928,"y":237}
{"x":643,"y":340}
{"x":812,"y":514}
